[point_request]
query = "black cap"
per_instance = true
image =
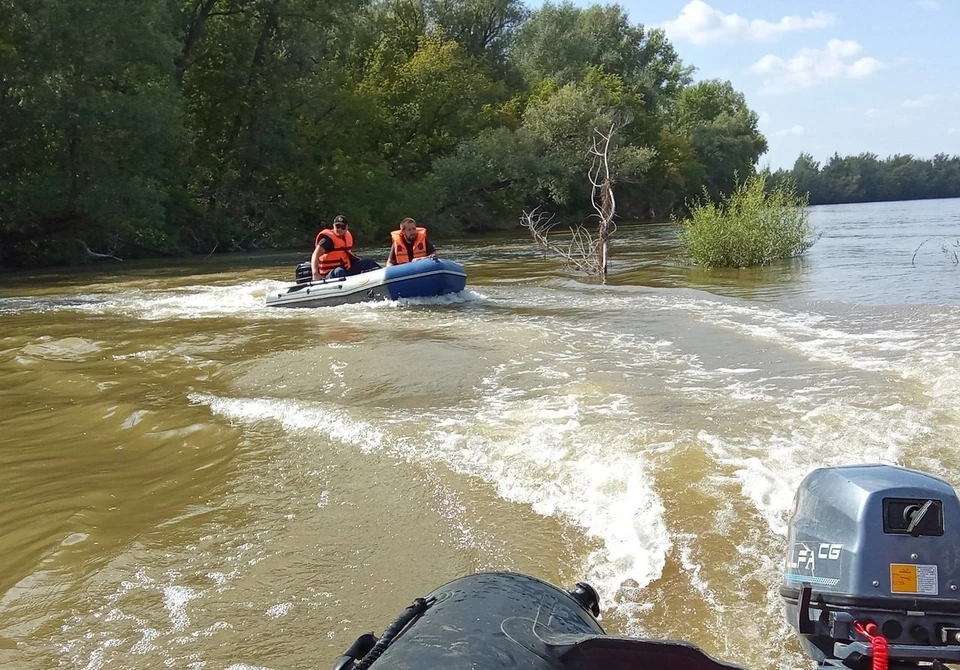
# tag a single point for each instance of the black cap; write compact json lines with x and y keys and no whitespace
{"x":339,"y":218}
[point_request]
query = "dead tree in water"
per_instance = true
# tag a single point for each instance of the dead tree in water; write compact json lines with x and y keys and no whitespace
{"x":950,"y":249}
{"x":93,"y":254}
{"x":585,"y":251}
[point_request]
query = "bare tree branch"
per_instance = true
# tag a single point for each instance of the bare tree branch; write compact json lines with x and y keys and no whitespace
{"x":94,"y":254}
{"x":586,"y":252}
{"x":602,"y":193}
{"x":950,"y":249}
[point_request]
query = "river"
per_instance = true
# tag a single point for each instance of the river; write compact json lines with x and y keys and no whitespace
{"x":192,"y":480}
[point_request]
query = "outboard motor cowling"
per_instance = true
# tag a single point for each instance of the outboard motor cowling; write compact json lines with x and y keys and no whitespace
{"x":303,"y":273}
{"x":874,"y":544}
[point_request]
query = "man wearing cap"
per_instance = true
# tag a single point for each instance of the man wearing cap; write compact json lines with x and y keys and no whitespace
{"x":333,"y":255}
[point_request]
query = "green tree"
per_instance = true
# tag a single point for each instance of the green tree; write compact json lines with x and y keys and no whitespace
{"x":426,"y":105}
{"x":93,"y":130}
{"x":806,"y":175}
{"x":490,"y":179}
{"x":675,"y":175}
{"x":547,"y":158}
{"x":560,"y":41}
{"x":866,"y":178}
{"x":723,"y":131}
{"x":486,"y":29}
{"x":263,"y":76}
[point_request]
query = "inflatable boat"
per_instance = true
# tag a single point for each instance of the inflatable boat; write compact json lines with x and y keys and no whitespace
{"x":511,"y":620}
{"x":422,"y":278}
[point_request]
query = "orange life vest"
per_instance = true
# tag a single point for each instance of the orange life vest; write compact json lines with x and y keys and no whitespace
{"x":339,"y":255}
{"x":400,"y":246}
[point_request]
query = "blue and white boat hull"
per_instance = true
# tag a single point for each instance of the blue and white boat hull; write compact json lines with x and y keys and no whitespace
{"x":420,"y":279}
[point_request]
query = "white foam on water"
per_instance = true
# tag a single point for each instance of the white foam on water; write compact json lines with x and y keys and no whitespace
{"x":867,"y":348}
{"x":877,"y":388}
{"x":539,"y":436}
{"x":550,"y":452}
{"x":541,"y":433}
{"x":133,"y":419}
{"x":218,"y":578}
{"x":813,"y":429}
{"x":145,"y":644}
{"x":533,"y":452}
{"x":548,"y":428}
{"x":296,"y":415}
{"x":176,"y":599}
{"x":829,"y":421}
{"x":198,"y":301}
{"x":686,"y":543}
{"x":122,"y":626}
{"x":193,"y":302}
{"x":211,"y":301}
{"x":279,"y":610}
{"x":460,"y":298}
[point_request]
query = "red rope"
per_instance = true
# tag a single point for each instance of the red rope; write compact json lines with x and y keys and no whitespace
{"x":878,"y":644}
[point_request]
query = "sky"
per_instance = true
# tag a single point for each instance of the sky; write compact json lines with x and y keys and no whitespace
{"x":826,"y":76}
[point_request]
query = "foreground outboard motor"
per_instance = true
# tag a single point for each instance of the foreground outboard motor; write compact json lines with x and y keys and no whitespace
{"x":510,"y":620}
{"x":873,"y":568}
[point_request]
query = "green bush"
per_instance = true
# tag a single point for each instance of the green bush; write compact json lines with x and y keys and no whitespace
{"x":749,"y":227}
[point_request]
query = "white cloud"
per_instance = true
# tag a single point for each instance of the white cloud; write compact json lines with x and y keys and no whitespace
{"x":795,"y":130}
{"x":953,"y":131}
{"x":864,"y":67}
{"x":923,"y":101}
{"x":700,"y":23}
{"x":763,"y":117}
{"x":809,"y":67}
{"x":932,"y":5}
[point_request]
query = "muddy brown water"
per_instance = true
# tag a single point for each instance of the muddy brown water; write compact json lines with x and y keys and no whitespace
{"x":190,"y":479}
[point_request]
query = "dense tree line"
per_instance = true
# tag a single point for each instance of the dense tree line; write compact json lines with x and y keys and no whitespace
{"x":154,"y":127}
{"x":866,"y":178}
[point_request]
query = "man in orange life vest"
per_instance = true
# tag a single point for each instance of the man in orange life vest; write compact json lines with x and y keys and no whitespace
{"x":333,"y":255}
{"x":409,"y":243}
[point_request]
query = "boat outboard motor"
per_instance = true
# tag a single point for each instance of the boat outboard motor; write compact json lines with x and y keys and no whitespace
{"x":303,"y":273}
{"x":873,"y":568}
{"x":510,"y":620}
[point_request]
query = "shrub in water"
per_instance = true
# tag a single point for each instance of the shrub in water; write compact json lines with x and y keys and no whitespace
{"x":749,"y":227}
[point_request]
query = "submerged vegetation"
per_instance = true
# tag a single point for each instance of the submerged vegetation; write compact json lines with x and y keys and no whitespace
{"x":751,"y":226}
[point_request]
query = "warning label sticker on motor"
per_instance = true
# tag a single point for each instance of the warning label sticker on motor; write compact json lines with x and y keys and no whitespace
{"x":907,"y":578}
